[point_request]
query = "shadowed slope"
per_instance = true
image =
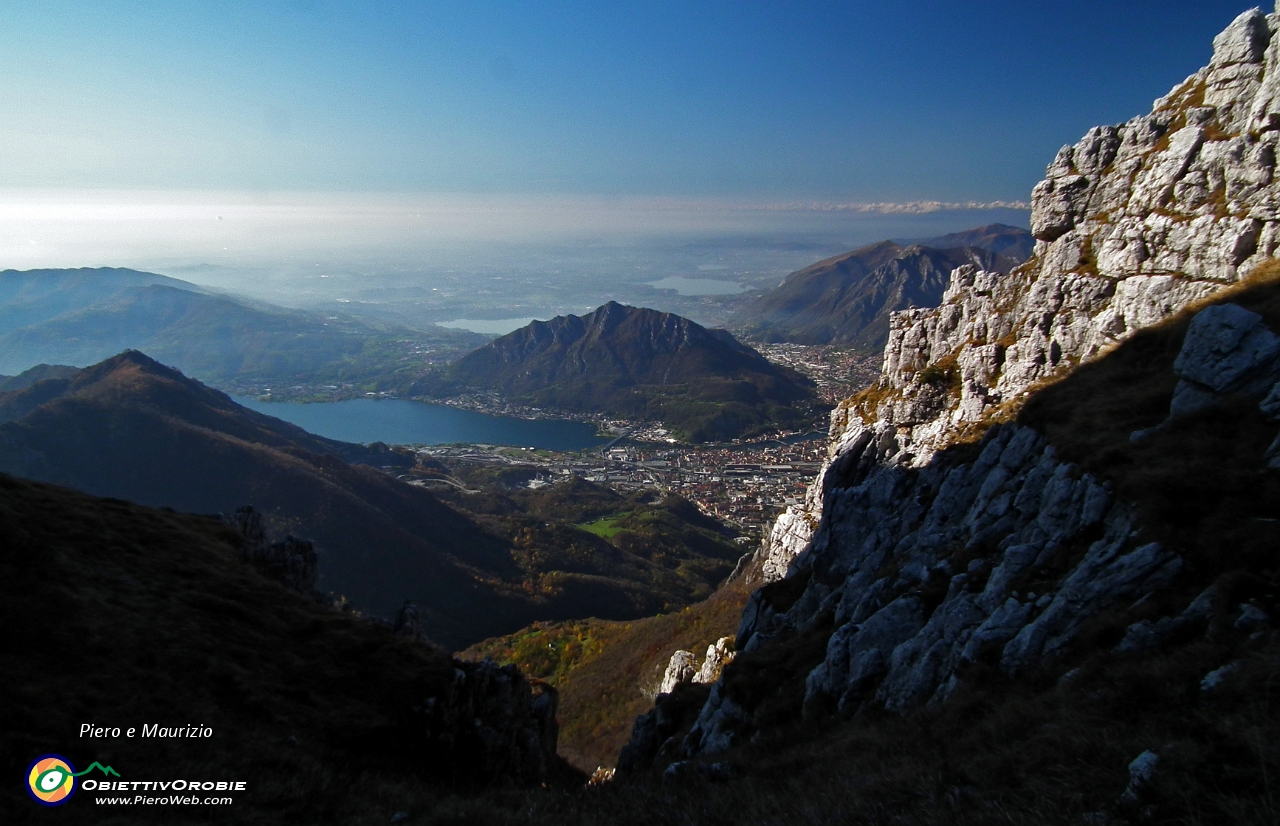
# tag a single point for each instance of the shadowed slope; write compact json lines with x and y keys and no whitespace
{"x":126,"y":616}
{"x":133,"y":429}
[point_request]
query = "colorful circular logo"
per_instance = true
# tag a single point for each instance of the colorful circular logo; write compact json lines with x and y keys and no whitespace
{"x":51,"y":780}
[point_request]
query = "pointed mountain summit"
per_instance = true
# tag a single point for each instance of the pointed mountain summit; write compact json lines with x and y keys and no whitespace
{"x":635,"y":363}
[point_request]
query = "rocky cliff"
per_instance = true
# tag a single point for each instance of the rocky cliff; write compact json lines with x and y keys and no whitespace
{"x":1132,"y":224}
{"x":987,"y":506}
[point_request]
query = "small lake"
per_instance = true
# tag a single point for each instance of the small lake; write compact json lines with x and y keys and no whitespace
{"x":396,"y":421}
{"x":487,"y":326}
{"x":699,"y":286}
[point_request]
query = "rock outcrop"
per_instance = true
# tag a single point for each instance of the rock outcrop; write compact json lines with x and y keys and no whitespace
{"x":1228,"y":351}
{"x":681,"y":668}
{"x":719,"y":654}
{"x":495,"y":722}
{"x":1001,"y":558}
{"x":922,"y":571}
{"x":291,"y":560}
{"x":657,"y":734}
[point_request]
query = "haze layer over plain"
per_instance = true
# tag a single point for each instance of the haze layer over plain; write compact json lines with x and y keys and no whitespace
{"x":452,"y":255}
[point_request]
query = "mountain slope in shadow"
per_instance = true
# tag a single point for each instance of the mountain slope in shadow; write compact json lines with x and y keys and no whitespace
{"x":127,"y":616}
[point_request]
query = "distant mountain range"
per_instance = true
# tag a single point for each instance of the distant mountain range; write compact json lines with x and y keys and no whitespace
{"x":847,"y":299}
{"x":133,"y":429}
{"x":80,"y":317}
{"x":1002,"y":239}
{"x":40,"y":372}
{"x":635,"y":363}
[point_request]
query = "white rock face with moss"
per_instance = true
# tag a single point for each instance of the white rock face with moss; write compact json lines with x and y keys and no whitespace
{"x":1133,"y":223}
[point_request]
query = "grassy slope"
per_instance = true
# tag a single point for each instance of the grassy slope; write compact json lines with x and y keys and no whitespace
{"x":606,"y":672}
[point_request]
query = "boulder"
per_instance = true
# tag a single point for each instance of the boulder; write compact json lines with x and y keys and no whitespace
{"x":408,"y":622}
{"x":1244,"y":41}
{"x":1229,"y":349}
{"x":1142,"y":772}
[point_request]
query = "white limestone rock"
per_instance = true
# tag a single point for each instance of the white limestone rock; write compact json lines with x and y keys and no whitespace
{"x":719,"y":654}
{"x":1244,"y":41}
{"x":680,"y":670}
{"x":1218,"y":676}
{"x":1270,"y":405}
{"x":717,"y":726}
{"x":791,"y":532}
{"x":1146,"y":634}
{"x":857,"y":654}
{"x":1135,"y":222}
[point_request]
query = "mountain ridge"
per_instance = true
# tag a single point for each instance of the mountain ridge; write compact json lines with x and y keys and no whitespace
{"x":847,"y":299}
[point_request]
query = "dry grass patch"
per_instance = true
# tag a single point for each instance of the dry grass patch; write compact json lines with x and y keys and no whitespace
{"x":607,"y":672}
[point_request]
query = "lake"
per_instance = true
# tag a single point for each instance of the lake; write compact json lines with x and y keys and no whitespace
{"x":396,"y":421}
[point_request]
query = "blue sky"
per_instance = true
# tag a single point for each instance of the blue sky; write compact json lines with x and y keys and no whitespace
{"x":852,"y":101}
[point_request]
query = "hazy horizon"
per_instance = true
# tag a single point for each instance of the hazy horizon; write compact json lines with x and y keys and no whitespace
{"x":443,"y":256}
